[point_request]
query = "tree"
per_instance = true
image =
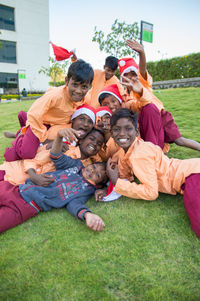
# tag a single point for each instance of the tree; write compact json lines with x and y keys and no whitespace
{"x":55,"y":69}
{"x":114,"y":43}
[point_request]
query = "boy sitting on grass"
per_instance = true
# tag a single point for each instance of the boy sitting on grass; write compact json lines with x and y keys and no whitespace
{"x":155,"y":171}
{"x":72,"y":185}
{"x":55,"y":107}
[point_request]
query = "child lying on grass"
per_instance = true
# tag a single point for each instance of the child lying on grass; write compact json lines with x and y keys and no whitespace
{"x":71,"y":186}
{"x":155,"y":171}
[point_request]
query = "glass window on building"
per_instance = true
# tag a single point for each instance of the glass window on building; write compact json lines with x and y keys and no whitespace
{"x":7,"y":20}
{"x":8,"y":52}
{"x":8,"y":81}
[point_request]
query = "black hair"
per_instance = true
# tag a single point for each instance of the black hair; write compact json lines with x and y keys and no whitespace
{"x":111,"y":62}
{"x":96,"y":130}
{"x":105,"y":180}
{"x":103,"y":96}
{"x":81,"y":71}
{"x":124,"y":113}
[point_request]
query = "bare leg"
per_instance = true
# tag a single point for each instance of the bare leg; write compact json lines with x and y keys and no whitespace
{"x":9,"y":135}
{"x":182,"y":141}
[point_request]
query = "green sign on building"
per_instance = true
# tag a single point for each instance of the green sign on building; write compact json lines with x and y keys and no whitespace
{"x":146,"y":32}
{"x":22,"y":75}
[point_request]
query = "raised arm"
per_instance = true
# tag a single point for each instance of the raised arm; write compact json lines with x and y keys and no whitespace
{"x":134,"y":45}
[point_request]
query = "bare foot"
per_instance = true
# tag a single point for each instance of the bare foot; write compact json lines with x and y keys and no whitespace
{"x":9,"y":135}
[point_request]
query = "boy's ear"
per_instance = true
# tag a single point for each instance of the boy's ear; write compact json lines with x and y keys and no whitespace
{"x":66,"y":81}
{"x":137,"y":132}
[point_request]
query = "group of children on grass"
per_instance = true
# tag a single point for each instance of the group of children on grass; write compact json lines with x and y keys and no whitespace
{"x":94,"y":135}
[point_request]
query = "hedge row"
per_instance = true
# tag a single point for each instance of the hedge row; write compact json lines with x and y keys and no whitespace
{"x":176,"y":68}
{"x":11,"y":96}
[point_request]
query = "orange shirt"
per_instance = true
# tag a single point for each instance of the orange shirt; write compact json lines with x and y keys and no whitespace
{"x":99,"y":82}
{"x":155,"y":171}
{"x":16,"y":170}
{"x":109,"y":149}
{"x":137,"y":102}
{"x":55,"y":107}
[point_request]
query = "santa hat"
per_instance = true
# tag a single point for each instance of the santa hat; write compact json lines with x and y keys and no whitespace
{"x":87,"y":110}
{"x":126,"y":65}
{"x":113,"y":90}
{"x":61,"y":53}
{"x":101,"y":111}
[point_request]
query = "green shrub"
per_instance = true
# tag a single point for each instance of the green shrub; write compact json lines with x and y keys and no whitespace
{"x":176,"y":68}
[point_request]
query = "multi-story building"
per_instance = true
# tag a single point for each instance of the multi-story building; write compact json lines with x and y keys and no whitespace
{"x":24,"y":45}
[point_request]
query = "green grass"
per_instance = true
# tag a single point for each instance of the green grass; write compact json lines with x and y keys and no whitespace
{"x":147,"y":251}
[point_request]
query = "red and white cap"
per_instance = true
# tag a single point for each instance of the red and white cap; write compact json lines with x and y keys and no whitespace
{"x":101,"y":111}
{"x":113,"y":90}
{"x":87,"y":110}
{"x":126,"y":65}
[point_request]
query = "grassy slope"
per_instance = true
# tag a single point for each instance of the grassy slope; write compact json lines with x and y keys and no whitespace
{"x":146,"y":252}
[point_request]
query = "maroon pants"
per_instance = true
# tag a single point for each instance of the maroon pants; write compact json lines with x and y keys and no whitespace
{"x":157,"y":127}
{"x":171,"y":130}
{"x":13,"y":209}
{"x":191,"y":198}
{"x":23,"y":147}
{"x":22,"y":117}
{"x":150,"y":125}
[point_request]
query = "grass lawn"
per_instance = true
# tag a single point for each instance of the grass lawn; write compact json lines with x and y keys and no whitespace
{"x":147,"y":251}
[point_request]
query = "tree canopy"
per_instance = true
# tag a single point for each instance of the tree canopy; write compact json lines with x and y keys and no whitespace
{"x":114,"y":42}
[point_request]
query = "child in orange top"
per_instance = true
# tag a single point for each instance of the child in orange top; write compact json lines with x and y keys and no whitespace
{"x":156,"y":125}
{"x":103,"y":79}
{"x":55,"y":107}
{"x":83,"y":121}
{"x":155,"y":171}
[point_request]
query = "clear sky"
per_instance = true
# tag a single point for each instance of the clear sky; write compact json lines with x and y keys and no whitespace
{"x":176,"y":25}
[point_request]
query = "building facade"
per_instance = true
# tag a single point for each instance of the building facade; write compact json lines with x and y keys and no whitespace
{"x":24,"y":45}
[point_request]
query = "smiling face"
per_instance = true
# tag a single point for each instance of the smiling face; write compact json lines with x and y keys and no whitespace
{"x":91,"y":144}
{"x":77,"y":90}
{"x":82,"y":123}
{"x":109,"y":72}
{"x":94,"y":173}
{"x":124,"y":133}
{"x":130,"y":75}
{"x":111,"y":102}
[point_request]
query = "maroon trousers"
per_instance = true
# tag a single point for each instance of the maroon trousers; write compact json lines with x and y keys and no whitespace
{"x":191,"y":198}
{"x":23,"y":147}
{"x":13,"y":209}
{"x":157,"y":127}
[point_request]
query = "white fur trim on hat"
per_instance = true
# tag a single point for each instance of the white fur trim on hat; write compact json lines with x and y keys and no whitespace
{"x":108,"y":92}
{"x":131,"y":68}
{"x":85,"y":111}
{"x":102,"y":113}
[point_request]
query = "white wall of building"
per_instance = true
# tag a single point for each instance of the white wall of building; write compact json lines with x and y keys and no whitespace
{"x":32,"y":37}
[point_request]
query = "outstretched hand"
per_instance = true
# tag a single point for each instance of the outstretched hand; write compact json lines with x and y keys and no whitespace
{"x":69,"y":134}
{"x":134,"y":45}
{"x":132,"y":84}
{"x":94,"y":222}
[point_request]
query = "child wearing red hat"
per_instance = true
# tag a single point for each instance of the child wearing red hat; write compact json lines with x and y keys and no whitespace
{"x":156,"y":125}
{"x":110,"y":97}
{"x":55,"y":107}
{"x":82,"y":122}
{"x":103,"y":78}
